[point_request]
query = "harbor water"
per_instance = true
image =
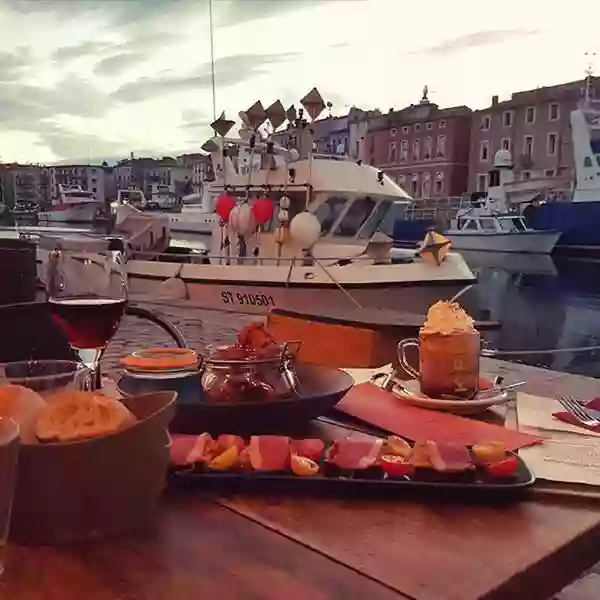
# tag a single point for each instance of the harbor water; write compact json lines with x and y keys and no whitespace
{"x":543,"y":304}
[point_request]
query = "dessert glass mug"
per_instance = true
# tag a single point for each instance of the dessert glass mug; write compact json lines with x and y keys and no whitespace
{"x":448,"y":363}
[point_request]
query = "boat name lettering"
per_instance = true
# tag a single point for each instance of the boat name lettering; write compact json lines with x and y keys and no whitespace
{"x":247,"y":299}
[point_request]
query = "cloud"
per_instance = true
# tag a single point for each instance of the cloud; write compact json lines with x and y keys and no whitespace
{"x":22,"y":105}
{"x":12,"y":63}
{"x":80,"y":50}
{"x":474,"y":40}
{"x":113,"y":65}
{"x":228,"y":70}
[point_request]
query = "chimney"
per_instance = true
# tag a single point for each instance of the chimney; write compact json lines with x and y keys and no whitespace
{"x":494,"y":100}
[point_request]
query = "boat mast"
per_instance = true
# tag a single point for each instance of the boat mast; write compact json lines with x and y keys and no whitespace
{"x":212,"y":58}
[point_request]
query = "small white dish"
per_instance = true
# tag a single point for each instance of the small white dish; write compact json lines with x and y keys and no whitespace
{"x":410,"y":392}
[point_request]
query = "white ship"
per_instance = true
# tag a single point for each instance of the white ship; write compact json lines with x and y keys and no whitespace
{"x":73,"y":205}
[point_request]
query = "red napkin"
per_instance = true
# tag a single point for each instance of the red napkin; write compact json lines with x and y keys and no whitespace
{"x":373,"y":405}
{"x":571,"y":420}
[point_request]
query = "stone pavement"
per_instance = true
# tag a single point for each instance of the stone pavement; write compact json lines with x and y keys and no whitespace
{"x":202,"y":328}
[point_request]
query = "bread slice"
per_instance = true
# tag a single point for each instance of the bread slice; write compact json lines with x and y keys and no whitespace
{"x":74,"y":415}
{"x":23,"y":406}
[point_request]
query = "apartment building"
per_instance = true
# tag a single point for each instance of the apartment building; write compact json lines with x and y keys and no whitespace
{"x":143,"y":172}
{"x":27,"y":183}
{"x":534,"y":125}
{"x":423,"y":147}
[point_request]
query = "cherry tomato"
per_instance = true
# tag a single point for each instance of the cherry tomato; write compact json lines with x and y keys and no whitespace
{"x":503,"y":468}
{"x":303,"y":467}
{"x":396,"y":466}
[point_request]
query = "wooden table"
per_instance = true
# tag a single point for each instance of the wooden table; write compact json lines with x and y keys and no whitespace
{"x":278,"y":547}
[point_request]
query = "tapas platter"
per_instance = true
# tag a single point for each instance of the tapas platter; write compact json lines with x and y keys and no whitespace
{"x":359,"y":461}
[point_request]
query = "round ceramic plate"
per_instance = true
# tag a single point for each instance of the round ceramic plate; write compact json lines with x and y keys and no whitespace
{"x":410,"y":392}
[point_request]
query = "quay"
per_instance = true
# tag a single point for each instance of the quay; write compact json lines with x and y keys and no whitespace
{"x":202,"y":328}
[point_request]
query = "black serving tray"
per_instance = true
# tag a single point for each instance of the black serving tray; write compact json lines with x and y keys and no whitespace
{"x":470,"y":485}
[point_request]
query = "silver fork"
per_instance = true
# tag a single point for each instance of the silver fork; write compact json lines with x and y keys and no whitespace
{"x":579,"y":412}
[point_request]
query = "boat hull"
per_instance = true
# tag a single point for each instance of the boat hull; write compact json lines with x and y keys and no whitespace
{"x":529,"y":242}
{"x":578,"y":222}
{"x":260,"y":299}
{"x":77,"y":213}
{"x":255,"y":289}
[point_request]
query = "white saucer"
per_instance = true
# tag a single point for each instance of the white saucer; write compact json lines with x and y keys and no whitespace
{"x":410,"y":392}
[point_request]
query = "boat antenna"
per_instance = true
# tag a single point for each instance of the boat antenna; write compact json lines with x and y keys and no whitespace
{"x":212,"y":58}
{"x":589,"y":74}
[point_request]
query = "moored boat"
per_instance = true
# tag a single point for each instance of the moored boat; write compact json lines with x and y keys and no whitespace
{"x":74,"y":205}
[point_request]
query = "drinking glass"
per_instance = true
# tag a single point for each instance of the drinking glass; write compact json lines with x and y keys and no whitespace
{"x":9,"y":449}
{"x":87,"y":292}
{"x":448,"y":363}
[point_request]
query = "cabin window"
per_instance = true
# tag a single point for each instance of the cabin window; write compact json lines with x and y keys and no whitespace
{"x":519,"y":224}
{"x":375,"y":219}
{"x":488,"y":224}
{"x":471,"y":225}
{"x":353,"y":220}
{"x":329,"y":212}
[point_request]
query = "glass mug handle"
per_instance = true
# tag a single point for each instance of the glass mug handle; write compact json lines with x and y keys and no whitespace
{"x":403,"y":345}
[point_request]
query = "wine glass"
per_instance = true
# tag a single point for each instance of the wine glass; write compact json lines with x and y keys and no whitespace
{"x":87,"y":293}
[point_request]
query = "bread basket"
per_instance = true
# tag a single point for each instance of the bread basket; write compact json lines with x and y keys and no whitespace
{"x":90,"y":489}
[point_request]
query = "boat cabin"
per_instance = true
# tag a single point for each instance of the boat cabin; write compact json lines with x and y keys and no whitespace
{"x":351,"y":201}
{"x":491,"y":224}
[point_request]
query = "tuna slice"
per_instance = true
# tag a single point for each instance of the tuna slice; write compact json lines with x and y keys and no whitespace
{"x":353,"y":453}
{"x":449,"y":458}
{"x":309,"y":448}
{"x":190,"y":449}
{"x":269,"y":452}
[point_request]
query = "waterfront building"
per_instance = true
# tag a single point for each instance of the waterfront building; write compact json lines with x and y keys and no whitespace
{"x":27,"y":183}
{"x":534,"y":126}
{"x":423,"y":147}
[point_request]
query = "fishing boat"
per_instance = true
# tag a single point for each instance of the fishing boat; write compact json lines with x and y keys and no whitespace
{"x":73,"y":205}
{"x":296,"y":233}
{"x":481,"y":227}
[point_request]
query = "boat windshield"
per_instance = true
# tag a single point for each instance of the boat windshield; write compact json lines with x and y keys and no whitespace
{"x":377,"y":217}
{"x":329,"y":212}
{"x":512,"y":224}
{"x":355,"y":217}
{"x":79,"y":194}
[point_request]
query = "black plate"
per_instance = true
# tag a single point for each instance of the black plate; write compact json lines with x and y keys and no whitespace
{"x":320,"y":389}
{"x":470,"y":485}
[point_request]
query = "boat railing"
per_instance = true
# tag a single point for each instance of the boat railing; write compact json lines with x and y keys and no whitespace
{"x":202,"y":258}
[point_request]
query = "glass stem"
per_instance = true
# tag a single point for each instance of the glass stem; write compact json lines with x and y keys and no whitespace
{"x":90,"y":357}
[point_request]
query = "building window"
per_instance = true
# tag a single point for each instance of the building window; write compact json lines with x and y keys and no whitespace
{"x":506,"y":144}
{"x":554,"y":111}
{"x":530,"y":115}
{"x":416,"y":150}
{"x":393,"y":132}
{"x":482,"y":182}
{"x":417,"y":126}
{"x":484,"y":151}
{"x":426,"y":186}
{"x":525,"y":175}
{"x":549,"y":173}
{"x":404,"y":150}
{"x":442,"y":124}
{"x":429,"y":126}
{"x":414,"y":185}
{"x":485,"y":123}
{"x":428,"y":148}
{"x":439,"y":183}
{"x":528,"y":146}
{"x":405,"y":129}
{"x":94,"y":190}
{"x":401,"y":180}
{"x":551,"y":144}
{"x":441,"y":146}
{"x":392,"y":153}
{"x":507,"y":118}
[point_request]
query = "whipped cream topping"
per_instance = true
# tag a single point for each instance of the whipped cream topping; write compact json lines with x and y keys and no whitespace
{"x":446,"y":318}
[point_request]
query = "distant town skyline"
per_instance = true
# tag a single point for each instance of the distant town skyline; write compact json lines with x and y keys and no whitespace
{"x":89,"y":80}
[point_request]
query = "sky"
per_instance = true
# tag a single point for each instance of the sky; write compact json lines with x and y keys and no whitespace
{"x":87,"y":80}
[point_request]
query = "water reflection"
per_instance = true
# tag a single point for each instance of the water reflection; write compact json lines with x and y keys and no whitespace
{"x":543,"y":304}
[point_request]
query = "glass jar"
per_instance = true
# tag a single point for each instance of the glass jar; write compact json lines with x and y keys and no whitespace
{"x":247,"y":379}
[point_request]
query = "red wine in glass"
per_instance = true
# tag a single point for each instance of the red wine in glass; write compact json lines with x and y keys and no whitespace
{"x":88,"y":322}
